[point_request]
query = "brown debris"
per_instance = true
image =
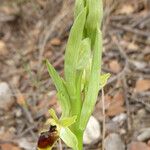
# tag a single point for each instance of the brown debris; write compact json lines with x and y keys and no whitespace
{"x":142,"y":85}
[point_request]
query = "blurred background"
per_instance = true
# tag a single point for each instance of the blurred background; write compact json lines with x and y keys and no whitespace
{"x":32,"y":30}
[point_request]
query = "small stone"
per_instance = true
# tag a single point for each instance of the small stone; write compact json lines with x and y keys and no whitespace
{"x":18,"y":113}
{"x":3,"y":49}
{"x":138,"y":146}
{"x":139,"y":64}
{"x":2,"y":130}
{"x":114,"y":142}
{"x":55,"y":41}
{"x":26,"y":144}
{"x":12,"y":130}
{"x":15,"y":80}
{"x":112,"y":126}
{"x":141,"y":113}
{"x":120,"y":118}
{"x":114,"y":66}
{"x":122,"y":131}
{"x":92,"y":132}
{"x":148,"y":143}
{"x":5,"y":96}
{"x":144,"y":135}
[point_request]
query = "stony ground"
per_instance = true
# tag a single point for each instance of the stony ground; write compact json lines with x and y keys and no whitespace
{"x":31,"y":31}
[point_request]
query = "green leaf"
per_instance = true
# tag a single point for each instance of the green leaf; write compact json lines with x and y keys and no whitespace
{"x":72,"y":52}
{"x":79,"y":6}
{"x":55,"y":77}
{"x":64,"y":104}
{"x":93,"y":87}
{"x":67,"y":121}
{"x":94,"y":18}
{"x":84,"y":54}
{"x":103,"y":79}
{"x":78,"y":102}
{"x":69,"y":138}
{"x":63,"y":98}
{"x":86,"y":75}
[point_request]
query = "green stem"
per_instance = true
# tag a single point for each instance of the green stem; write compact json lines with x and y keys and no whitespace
{"x":80,"y":140}
{"x":79,"y":134}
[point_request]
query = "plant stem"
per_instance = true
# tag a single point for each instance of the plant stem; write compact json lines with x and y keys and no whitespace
{"x":78,"y":133}
{"x":79,"y":136}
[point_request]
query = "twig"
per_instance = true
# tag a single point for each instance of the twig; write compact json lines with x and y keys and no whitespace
{"x":132,"y":30}
{"x":127,"y":103}
{"x":58,"y":61}
{"x":103,"y":111}
{"x":60,"y":145}
{"x":147,"y":93}
{"x":107,"y":11}
{"x":142,"y":97}
{"x":6,"y":18}
{"x":141,"y":20}
{"x":28,"y":115}
{"x":27,"y":130}
{"x":31,"y":131}
{"x":48,"y":31}
{"x":144,"y":23}
{"x":121,"y":17}
{"x":123,"y":54}
{"x":116,"y":77}
{"x":124,"y":81}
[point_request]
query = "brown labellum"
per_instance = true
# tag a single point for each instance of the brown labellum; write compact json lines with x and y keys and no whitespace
{"x":48,"y":138}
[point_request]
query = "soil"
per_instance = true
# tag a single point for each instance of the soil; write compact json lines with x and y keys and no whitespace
{"x":31,"y":31}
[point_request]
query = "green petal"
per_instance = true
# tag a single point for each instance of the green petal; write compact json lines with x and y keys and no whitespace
{"x":53,"y":114}
{"x":51,"y":122}
{"x":66,"y":122}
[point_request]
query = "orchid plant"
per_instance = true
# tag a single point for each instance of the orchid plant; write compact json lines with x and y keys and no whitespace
{"x":77,"y":92}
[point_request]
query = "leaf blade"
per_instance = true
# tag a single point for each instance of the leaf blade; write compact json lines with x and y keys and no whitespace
{"x":93,"y":87}
{"x":94,"y":18}
{"x":72,"y":52}
{"x":84,"y":54}
{"x":64,"y":102}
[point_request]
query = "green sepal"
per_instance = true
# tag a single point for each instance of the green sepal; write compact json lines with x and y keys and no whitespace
{"x":62,"y":127}
{"x":69,"y":138}
{"x":68,"y":121}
